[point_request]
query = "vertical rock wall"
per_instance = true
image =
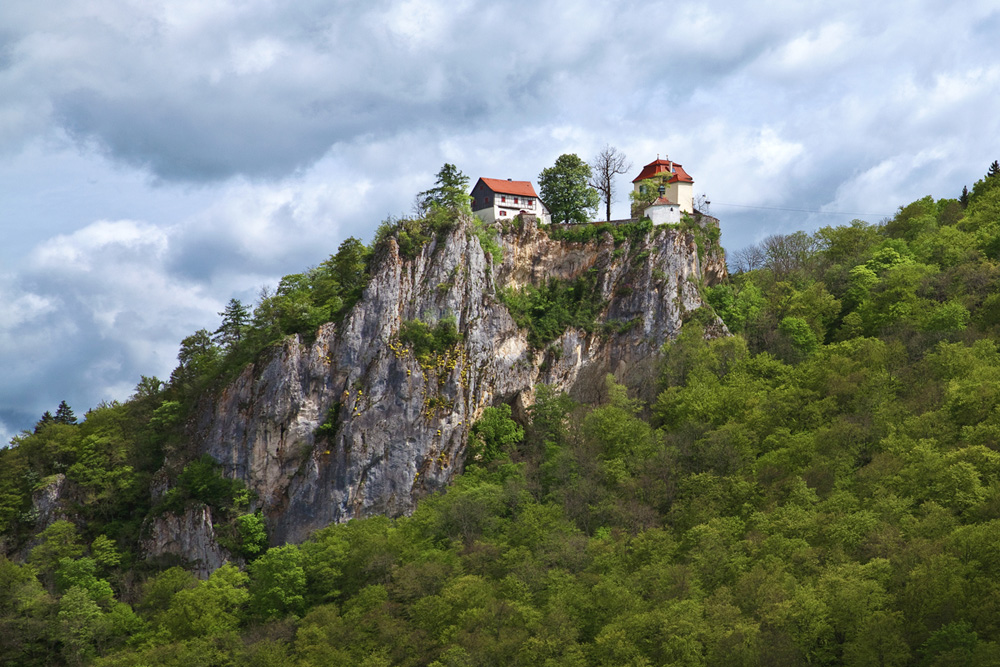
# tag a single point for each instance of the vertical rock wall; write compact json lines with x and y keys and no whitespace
{"x":402,"y":427}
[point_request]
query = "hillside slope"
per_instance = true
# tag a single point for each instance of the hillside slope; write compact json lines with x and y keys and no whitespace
{"x":822,"y":487}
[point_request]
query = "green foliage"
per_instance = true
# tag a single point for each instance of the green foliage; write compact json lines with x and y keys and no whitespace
{"x":332,"y":422}
{"x":800,"y":335}
{"x":739,"y":307}
{"x":586,"y":233}
{"x":546,"y":312}
{"x":82,"y":573}
{"x":488,"y":240}
{"x":277,"y":583}
{"x":235,"y":319}
{"x":450,"y":191}
{"x":494,"y":434}
{"x":647,"y":192}
{"x":201,"y":481}
{"x":57,"y":542}
{"x":64,"y":414}
{"x":412,"y":234}
{"x":426,"y":340}
{"x":210,"y":608}
{"x":821,"y":488}
{"x":252,"y":535}
{"x":565,"y":190}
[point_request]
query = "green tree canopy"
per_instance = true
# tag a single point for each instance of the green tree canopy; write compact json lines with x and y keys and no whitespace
{"x":565,"y":190}
{"x":235,"y":319}
{"x":450,"y":191}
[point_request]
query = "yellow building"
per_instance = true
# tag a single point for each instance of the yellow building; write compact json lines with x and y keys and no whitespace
{"x":675,"y":190}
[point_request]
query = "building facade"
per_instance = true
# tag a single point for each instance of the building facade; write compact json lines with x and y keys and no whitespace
{"x":498,"y":199}
{"x":675,"y":188}
{"x":663,"y":212}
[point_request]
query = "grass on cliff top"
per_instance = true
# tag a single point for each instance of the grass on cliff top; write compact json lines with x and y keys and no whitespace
{"x":585,"y":233}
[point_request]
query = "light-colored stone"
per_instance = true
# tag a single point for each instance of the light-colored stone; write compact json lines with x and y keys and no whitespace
{"x":190,"y":536}
{"x":46,"y":501}
{"x":392,"y":446}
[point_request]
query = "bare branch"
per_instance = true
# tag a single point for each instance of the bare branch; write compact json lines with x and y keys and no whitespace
{"x":608,"y":163}
{"x":746,"y":259}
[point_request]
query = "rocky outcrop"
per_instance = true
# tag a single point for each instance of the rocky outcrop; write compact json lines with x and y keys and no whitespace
{"x":46,"y":501}
{"x":397,"y":428}
{"x":189,"y":536}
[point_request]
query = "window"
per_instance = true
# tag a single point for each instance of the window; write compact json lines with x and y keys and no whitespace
{"x":515,"y":200}
{"x":503,"y":198}
{"x":503,"y":212}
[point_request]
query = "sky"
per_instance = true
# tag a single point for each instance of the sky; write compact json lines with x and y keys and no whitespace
{"x":159,"y":157}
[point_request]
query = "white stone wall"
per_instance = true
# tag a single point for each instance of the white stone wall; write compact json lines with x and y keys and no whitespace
{"x":663,"y":214}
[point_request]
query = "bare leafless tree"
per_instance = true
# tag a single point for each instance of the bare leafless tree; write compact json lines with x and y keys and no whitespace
{"x":746,"y":259}
{"x":787,"y":253}
{"x":609,"y":163}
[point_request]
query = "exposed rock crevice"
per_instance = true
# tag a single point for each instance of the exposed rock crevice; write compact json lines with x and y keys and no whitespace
{"x":403,"y":427}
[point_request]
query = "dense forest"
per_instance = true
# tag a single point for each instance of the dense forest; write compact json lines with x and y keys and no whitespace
{"x":822,"y":487}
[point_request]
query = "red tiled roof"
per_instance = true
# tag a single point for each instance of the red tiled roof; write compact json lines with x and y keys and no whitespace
{"x":663,"y":201}
{"x":658,"y":166}
{"x":502,"y":186}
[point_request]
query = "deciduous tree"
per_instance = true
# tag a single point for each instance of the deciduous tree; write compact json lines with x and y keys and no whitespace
{"x":565,"y":191}
{"x":604,"y":167}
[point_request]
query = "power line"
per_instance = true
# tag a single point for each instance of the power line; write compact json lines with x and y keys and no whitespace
{"x":801,"y":210}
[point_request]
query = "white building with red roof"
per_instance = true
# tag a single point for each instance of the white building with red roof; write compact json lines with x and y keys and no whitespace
{"x":498,"y":199}
{"x":675,"y":188}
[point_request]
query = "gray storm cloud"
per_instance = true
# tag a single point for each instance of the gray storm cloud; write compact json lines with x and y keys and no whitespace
{"x":158,"y":158}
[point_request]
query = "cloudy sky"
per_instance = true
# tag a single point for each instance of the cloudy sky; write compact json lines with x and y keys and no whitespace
{"x":158,"y":157}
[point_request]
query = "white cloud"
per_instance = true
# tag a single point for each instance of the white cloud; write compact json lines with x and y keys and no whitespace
{"x":157,"y":158}
{"x":816,"y":50}
{"x":6,"y":433}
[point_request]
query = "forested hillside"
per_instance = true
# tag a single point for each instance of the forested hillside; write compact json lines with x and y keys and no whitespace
{"x":822,"y":487}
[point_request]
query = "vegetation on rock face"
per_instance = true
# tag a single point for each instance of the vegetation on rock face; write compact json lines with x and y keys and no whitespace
{"x":300,"y":304}
{"x":494,"y":435}
{"x":547,"y":311}
{"x":821,"y":488}
{"x":426,"y":340}
{"x":585,"y":233}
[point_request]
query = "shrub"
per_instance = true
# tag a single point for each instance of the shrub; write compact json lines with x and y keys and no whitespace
{"x":546,"y":312}
{"x":425,"y":339}
{"x":493,"y":434}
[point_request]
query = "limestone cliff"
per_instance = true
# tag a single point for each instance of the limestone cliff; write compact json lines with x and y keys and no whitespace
{"x":400,"y":428}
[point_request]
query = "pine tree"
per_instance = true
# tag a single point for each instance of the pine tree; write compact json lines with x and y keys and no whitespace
{"x":64,"y":414}
{"x":994,"y":169}
{"x":235,"y":319}
{"x":450,"y":191}
{"x":44,"y":421}
{"x":964,"y":199}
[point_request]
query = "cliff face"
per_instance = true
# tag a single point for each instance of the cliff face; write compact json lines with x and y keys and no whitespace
{"x":400,"y":427}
